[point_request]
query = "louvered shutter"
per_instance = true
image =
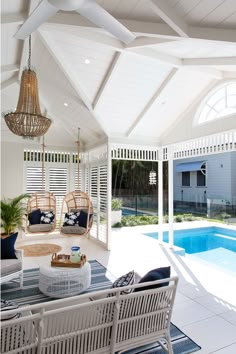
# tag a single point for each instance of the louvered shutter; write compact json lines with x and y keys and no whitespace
{"x":58,"y":180}
{"x":34,"y":180}
{"x":76,"y":179}
{"x":102,"y":234}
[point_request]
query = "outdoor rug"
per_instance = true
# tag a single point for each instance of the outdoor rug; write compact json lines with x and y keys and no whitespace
{"x":101,"y":279}
{"x":40,"y":249}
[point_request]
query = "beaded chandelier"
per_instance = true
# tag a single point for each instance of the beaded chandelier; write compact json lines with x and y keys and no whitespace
{"x":27,"y":120}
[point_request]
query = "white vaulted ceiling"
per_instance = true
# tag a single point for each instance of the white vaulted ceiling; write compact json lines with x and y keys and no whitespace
{"x":139,"y":91}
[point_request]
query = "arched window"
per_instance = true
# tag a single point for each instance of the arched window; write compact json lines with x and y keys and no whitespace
{"x":220,"y":102}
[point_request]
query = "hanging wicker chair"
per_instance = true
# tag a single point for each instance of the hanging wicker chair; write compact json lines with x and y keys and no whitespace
{"x":76,"y":214}
{"x":41,"y":213}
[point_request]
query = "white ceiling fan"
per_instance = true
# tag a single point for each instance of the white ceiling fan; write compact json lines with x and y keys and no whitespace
{"x":87,"y":8}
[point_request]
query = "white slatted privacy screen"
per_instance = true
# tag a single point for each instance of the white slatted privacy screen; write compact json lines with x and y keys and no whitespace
{"x":141,"y":153}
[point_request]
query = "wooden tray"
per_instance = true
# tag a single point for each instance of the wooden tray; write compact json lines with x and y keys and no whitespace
{"x":63,"y":260}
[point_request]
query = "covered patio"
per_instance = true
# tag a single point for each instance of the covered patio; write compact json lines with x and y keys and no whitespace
{"x":168,"y":95}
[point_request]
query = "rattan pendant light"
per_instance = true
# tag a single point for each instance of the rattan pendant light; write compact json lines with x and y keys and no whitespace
{"x":27,"y":121}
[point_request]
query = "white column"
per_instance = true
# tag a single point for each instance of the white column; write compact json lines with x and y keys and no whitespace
{"x":170,"y":200}
{"x":109,"y":195}
{"x":160,"y":200}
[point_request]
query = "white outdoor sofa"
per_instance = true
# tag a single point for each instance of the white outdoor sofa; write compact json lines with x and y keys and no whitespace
{"x":99,"y":326}
{"x":11,"y":268}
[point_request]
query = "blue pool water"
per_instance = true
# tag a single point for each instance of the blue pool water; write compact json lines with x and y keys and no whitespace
{"x":127,"y":211}
{"x":201,"y":239}
{"x":214,"y":245}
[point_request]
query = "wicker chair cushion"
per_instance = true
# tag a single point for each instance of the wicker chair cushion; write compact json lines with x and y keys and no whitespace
{"x":41,"y":228}
{"x":78,"y":230}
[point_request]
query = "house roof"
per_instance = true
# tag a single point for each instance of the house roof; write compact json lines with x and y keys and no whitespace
{"x":147,"y":91}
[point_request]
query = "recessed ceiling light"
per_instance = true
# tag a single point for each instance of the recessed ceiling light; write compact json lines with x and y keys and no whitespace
{"x":87,"y":61}
{"x":65,"y":104}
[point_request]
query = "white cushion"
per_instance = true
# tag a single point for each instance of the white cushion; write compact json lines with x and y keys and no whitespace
{"x":9,"y":266}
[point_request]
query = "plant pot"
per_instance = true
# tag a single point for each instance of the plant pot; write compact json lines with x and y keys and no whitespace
{"x":115,"y":216}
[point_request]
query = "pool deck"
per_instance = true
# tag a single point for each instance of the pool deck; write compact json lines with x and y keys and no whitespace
{"x":205,"y":306}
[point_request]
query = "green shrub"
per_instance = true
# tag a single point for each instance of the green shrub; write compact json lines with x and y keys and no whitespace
{"x":178,"y":218}
{"x":138,"y":220}
{"x":188,"y":217}
{"x":116,"y":204}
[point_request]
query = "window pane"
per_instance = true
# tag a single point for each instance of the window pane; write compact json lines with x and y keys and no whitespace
{"x":201,"y":179}
{"x":186,"y":179}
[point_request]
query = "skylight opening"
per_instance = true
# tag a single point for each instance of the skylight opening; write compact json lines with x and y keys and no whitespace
{"x":219,"y":103}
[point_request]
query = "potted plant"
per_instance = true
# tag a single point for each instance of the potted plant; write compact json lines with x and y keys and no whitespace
{"x":12,"y":214}
{"x":116,"y":211}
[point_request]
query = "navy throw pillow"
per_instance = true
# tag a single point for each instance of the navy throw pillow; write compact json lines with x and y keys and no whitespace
{"x":34,"y":217}
{"x":47,"y":217}
{"x":154,"y":274}
{"x":83,"y":216}
{"x":8,"y":247}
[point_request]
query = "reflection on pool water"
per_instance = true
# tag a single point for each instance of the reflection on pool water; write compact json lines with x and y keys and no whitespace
{"x":213,"y":244}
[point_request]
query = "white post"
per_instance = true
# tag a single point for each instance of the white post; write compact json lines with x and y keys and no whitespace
{"x":109,"y":195}
{"x":160,"y":200}
{"x":170,"y":199}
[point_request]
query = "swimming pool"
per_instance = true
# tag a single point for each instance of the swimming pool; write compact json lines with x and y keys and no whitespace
{"x":201,"y":239}
{"x":213,"y":245}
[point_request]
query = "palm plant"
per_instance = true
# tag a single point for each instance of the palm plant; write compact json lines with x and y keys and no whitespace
{"x":12,"y":213}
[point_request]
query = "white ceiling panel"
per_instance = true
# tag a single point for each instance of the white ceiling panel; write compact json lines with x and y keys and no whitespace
{"x":73,"y":51}
{"x":132,"y":85}
{"x":169,"y":105}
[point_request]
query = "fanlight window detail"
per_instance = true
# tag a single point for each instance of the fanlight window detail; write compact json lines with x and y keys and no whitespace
{"x":219,"y":103}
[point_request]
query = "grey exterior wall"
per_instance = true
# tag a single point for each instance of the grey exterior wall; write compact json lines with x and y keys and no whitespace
{"x":220,"y":181}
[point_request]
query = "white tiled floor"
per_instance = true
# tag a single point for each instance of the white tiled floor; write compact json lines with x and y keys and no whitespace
{"x":205,"y":307}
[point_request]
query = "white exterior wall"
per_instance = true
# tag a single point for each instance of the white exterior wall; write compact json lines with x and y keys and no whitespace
{"x":219,"y":182}
{"x":11,"y":169}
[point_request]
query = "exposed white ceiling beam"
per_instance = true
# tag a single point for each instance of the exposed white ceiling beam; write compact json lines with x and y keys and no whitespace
{"x":148,"y":41}
{"x":170,"y":16}
{"x":209,"y":61}
{"x":78,"y":86}
{"x":229,"y":74}
{"x":140,"y":28}
{"x":152,"y":100}
{"x":205,"y":71}
{"x":9,"y":82}
{"x":14,"y":18}
{"x":212,"y":34}
{"x":156,"y":55}
{"x":10,"y":68}
{"x":103,"y":88}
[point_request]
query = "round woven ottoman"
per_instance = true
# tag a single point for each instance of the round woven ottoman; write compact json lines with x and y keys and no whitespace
{"x":63,"y":282}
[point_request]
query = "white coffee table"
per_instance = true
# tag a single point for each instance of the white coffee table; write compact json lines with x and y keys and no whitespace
{"x":62,"y":282}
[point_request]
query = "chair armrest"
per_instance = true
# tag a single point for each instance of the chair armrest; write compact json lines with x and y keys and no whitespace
{"x":19,"y":254}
